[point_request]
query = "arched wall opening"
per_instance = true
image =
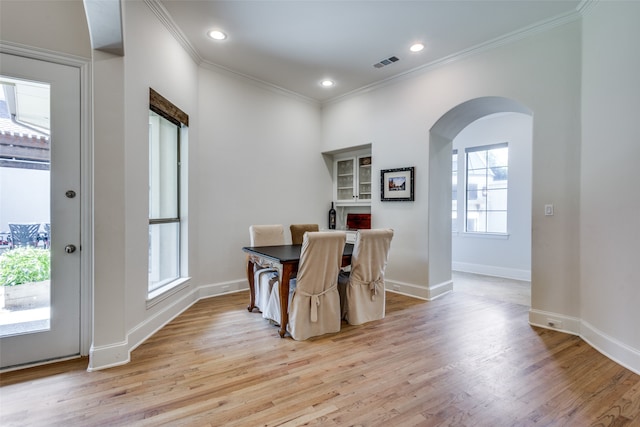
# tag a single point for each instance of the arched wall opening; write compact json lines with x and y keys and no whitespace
{"x":441,"y":137}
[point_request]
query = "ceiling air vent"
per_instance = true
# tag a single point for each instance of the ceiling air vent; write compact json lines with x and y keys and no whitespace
{"x":387,"y":61}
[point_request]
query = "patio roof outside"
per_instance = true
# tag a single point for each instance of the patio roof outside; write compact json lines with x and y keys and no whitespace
{"x":24,"y":154}
{"x":24,"y":124}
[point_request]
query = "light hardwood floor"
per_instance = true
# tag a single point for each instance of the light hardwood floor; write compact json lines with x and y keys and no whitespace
{"x":461,"y":360}
{"x":497,"y":288}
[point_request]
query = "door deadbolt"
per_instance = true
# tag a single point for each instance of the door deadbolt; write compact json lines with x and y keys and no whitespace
{"x":70,"y":249}
{"x":70,"y":194}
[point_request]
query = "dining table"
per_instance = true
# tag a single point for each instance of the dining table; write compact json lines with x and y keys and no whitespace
{"x":287,"y":258}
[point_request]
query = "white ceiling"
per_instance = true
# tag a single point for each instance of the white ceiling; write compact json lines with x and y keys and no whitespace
{"x":295,"y":44}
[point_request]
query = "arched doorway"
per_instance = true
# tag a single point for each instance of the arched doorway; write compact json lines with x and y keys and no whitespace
{"x":441,"y":138}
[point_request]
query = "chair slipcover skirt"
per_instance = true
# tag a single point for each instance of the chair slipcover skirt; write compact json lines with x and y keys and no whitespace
{"x":364,"y":290}
{"x":265,"y":277}
{"x":315,"y":304}
{"x":314,"y":307}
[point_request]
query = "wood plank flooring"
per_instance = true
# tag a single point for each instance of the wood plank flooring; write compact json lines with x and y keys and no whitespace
{"x":498,"y":288}
{"x":461,"y":360}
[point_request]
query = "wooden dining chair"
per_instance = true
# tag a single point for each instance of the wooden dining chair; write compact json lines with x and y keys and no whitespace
{"x":315,"y":303}
{"x":298,"y":230}
{"x":363,"y":290}
{"x":265,"y":276}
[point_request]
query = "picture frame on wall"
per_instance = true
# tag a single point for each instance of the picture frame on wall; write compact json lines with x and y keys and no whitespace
{"x":396,"y":185}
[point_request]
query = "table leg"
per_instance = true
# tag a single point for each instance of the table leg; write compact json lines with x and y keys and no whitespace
{"x":252,"y":289}
{"x":287,"y":269}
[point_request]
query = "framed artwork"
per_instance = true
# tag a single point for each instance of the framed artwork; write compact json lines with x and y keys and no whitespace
{"x":396,"y":185}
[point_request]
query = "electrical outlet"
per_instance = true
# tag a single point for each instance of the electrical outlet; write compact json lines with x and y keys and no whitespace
{"x":554,"y":323}
{"x":225,"y":289}
{"x":396,"y":287}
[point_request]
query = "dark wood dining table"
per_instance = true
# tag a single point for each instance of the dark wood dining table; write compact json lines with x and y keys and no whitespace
{"x":288,"y":256}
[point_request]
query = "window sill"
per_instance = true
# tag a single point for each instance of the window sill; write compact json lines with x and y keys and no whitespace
{"x":160,"y":294}
{"x":498,"y":236}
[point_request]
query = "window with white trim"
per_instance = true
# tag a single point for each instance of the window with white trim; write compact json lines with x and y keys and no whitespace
{"x":486,"y":177}
{"x":167,"y":125}
{"x":454,"y":191}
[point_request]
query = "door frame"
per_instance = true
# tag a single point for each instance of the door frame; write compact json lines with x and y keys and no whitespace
{"x":86,"y":183}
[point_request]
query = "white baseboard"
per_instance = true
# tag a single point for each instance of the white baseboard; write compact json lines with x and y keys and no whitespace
{"x":229,"y":287}
{"x":555,"y":321}
{"x":407,"y":289}
{"x":416,"y":291}
{"x":108,"y":356}
{"x":436,"y":291}
{"x":102,"y":357}
{"x":491,"y":270}
{"x":615,"y":350}
{"x":115,"y":354}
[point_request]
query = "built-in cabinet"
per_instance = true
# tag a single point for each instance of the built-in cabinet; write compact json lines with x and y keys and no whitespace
{"x":352,"y":180}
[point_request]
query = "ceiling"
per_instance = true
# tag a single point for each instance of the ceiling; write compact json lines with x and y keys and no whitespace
{"x":293,"y":45}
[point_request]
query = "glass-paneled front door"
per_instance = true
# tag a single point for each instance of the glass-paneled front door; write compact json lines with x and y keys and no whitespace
{"x":39,"y":211}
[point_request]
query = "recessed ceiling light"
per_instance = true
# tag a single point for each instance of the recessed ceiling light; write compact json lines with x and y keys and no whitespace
{"x":217,"y":35}
{"x":327,"y":83}
{"x":416,"y":47}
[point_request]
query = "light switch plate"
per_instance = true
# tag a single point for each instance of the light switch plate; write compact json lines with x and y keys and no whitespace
{"x":548,"y":210}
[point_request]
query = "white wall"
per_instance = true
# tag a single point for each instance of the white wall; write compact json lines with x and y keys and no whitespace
{"x":542,"y":73}
{"x":50,"y":25}
{"x":25,"y":196}
{"x":610,"y":199}
{"x":153,"y":59}
{"x":252,"y":158}
{"x":108,"y":200}
{"x":498,"y":256}
{"x":121,"y":98}
{"x":259,"y":163}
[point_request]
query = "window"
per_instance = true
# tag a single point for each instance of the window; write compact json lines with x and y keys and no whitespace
{"x":165,"y":225}
{"x":486,"y":188}
{"x":454,"y":191}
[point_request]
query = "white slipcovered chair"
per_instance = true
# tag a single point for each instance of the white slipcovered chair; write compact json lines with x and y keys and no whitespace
{"x":265,"y":276}
{"x":363,"y":291}
{"x":314,"y":305}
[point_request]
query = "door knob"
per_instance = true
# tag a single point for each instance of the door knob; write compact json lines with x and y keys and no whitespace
{"x":70,"y":249}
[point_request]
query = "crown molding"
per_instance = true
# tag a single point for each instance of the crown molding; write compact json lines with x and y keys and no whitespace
{"x":523,"y":33}
{"x":165,"y":19}
{"x":257,"y":82}
{"x":533,"y":29}
{"x":586,"y":6}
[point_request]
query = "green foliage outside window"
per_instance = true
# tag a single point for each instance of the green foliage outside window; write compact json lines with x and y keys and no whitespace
{"x":24,"y":265}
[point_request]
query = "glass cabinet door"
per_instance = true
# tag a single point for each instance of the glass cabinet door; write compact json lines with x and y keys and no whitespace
{"x":345,"y":179}
{"x":364,"y":179}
